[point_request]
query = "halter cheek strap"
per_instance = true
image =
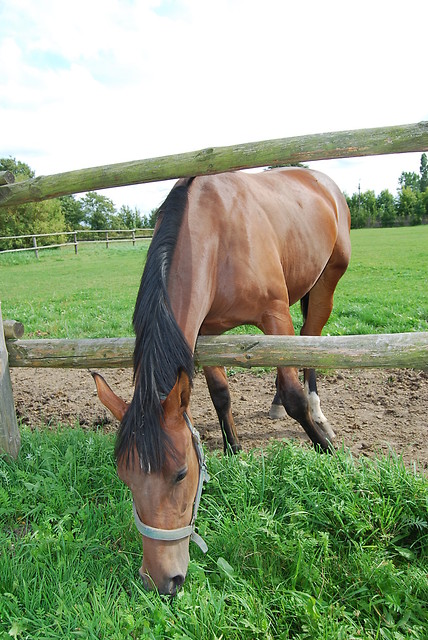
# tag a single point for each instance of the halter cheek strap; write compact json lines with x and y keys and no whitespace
{"x":189,"y":531}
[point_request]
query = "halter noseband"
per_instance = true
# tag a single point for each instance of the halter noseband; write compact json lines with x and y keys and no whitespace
{"x":183,"y":532}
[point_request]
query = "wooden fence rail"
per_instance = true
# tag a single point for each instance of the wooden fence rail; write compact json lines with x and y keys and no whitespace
{"x":320,"y":146}
{"x":396,"y":350}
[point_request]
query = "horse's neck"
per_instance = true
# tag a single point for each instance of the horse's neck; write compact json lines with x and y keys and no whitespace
{"x":191,"y":290}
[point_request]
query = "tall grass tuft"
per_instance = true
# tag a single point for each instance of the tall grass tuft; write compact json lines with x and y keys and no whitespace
{"x":300,"y":546}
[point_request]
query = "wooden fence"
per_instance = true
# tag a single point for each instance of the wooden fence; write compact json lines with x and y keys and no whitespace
{"x":80,"y":236}
{"x":320,"y":146}
{"x":397,"y":350}
{"x":401,"y":350}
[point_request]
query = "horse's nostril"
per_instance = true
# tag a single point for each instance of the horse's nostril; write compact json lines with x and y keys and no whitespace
{"x":175,"y":584}
{"x":148,"y":583}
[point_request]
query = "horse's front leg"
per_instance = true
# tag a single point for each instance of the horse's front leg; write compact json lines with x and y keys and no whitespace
{"x":277,"y":411}
{"x":220,"y":395}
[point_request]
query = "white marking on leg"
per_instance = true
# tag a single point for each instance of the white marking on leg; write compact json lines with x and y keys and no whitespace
{"x":316,"y":413}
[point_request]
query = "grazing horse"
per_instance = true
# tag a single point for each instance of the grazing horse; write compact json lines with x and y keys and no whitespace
{"x":228,"y":249}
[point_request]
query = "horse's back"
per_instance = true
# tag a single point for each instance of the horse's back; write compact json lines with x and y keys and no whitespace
{"x":284,"y":199}
{"x":291,"y":214}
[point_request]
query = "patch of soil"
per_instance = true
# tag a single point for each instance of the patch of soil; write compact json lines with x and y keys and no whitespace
{"x":371,"y":411}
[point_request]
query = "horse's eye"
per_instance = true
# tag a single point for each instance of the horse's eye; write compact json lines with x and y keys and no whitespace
{"x":181,"y":475}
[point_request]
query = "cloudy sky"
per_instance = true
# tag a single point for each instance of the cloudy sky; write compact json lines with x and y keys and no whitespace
{"x":94,"y":82}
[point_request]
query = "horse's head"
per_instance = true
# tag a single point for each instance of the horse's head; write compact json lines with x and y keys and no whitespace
{"x":165,"y":500}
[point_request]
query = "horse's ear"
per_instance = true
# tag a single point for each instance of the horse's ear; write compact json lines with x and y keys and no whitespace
{"x":179,"y":396}
{"x":116,"y":405}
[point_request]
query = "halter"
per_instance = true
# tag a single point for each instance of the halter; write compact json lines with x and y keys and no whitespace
{"x":183,"y":532}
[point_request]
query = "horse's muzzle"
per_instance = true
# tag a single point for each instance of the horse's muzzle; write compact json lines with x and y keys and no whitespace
{"x":169,"y":587}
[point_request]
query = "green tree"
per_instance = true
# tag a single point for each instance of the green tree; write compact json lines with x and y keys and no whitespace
{"x":385,"y":205}
{"x":406,"y":203}
{"x":34,"y":217}
{"x":357,"y":215}
{"x":368,"y":199}
{"x":409,"y":180}
{"x":72,"y":210}
{"x":363,"y":209}
{"x":98,"y":211}
{"x":151,"y":219}
{"x":423,"y":183}
{"x":20,"y":170}
{"x":128,"y":218}
{"x":424,"y":203}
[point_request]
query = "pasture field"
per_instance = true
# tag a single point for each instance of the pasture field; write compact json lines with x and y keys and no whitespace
{"x":93,"y":294}
{"x":300,"y":546}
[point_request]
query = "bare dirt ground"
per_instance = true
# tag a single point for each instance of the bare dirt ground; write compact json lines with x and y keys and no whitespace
{"x":371,"y":411}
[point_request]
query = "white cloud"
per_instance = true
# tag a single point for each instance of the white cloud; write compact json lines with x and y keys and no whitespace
{"x":102,"y":81}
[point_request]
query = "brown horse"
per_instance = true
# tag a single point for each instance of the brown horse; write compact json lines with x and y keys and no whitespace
{"x":228,"y":249}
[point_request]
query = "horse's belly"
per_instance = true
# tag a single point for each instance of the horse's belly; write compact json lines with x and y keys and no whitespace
{"x":300,"y":281}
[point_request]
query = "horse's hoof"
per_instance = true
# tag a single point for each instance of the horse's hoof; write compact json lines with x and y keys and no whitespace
{"x":326,"y":428}
{"x":232,"y":449}
{"x":277,"y":412}
{"x":322,"y":448}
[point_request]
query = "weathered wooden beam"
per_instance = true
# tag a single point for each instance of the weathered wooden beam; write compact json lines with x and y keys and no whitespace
{"x":6,"y":177}
{"x":74,"y":354}
{"x":10,"y":440}
{"x":399,"y":350}
{"x":322,"y":146}
{"x":13,"y":329}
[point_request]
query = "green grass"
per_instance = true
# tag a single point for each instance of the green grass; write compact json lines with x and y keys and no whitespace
{"x":300,"y":546}
{"x":385,"y":289}
{"x":93,"y":294}
{"x":61,"y":295}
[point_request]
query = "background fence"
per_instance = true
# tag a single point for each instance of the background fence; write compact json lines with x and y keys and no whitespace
{"x":398,"y":350}
{"x":74,"y":238}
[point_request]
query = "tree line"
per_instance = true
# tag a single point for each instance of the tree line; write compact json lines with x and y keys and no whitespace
{"x":94,"y":211}
{"x":67,"y":213}
{"x":408,"y":207}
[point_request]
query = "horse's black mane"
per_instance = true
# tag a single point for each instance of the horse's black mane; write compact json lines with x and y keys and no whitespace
{"x":161,"y":350}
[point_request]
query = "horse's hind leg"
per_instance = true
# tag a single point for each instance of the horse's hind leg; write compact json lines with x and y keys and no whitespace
{"x":315,"y":404}
{"x":277,"y":321}
{"x":220,"y":395}
{"x":278,"y":412}
{"x":316,"y":308}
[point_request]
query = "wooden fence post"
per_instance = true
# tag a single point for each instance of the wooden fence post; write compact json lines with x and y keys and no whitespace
{"x":75,"y":242}
{"x":13,"y":330}
{"x":10,"y":440}
{"x":35,"y":247}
